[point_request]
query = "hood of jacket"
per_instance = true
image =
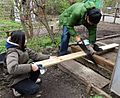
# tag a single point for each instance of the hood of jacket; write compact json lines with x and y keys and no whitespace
{"x":89,"y":4}
{"x":10,"y":44}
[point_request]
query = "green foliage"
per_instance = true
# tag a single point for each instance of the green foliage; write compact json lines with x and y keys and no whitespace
{"x":57,"y":6}
{"x":38,"y":43}
{"x":5,"y":8}
{"x":7,"y":25}
{"x":109,"y":3}
{"x":35,"y":43}
{"x":2,"y":45}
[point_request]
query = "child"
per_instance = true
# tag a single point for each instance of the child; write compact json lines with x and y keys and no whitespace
{"x":23,"y":76}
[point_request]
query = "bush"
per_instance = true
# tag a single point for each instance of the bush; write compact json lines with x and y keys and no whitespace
{"x":56,"y":7}
{"x":39,"y":43}
{"x":7,"y":25}
{"x":2,"y":45}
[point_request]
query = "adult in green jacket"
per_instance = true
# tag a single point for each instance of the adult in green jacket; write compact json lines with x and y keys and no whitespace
{"x":78,"y":14}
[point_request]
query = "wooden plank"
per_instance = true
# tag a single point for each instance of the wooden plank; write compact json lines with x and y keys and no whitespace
{"x":56,"y":60}
{"x":107,"y":37}
{"x":109,"y":46}
{"x":100,"y":70}
{"x":100,"y":92}
{"x":85,"y":74}
{"x":105,"y":63}
{"x":106,"y":47}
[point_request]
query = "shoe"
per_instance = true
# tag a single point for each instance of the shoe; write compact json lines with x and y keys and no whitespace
{"x":68,"y":52}
{"x":38,"y":81}
{"x":16,"y":94}
{"x":96,"y":48}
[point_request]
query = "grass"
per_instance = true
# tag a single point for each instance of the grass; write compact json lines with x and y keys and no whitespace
{"x":7,"y":25}
{"x":2,"y":46}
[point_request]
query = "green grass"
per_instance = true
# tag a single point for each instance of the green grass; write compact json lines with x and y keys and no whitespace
{"x":7,"y":25}
{"x":2,"y":45}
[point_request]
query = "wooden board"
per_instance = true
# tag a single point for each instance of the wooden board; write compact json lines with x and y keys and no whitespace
{"x":105,"y":48}
{"x":56,"y":60}
{"x":103,"y":62}
{"x":85,"y":74}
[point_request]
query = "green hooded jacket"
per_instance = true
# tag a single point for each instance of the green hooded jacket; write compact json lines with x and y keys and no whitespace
{"x":75,"y":16}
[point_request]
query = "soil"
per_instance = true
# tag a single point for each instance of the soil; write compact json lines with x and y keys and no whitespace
{"x":56,"y":83}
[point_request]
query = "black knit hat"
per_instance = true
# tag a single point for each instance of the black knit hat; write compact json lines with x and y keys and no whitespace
{"x":94,"y":15}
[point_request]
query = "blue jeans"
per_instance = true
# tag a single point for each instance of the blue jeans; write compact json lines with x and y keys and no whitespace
{"x":28,"y":86}
{"x":64,"y":41}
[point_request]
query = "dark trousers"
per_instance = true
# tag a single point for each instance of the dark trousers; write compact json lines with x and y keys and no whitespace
{"x":28,"y":86}
{"x":64,"y":41}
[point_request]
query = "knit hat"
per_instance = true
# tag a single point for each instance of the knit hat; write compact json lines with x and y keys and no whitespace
{"x":94,"y":15}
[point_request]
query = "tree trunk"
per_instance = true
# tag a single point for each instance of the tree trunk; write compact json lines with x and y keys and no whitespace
{"x":12,"y":14}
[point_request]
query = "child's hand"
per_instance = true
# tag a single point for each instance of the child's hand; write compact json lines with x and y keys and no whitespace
{"x":34,"y":67}
{"x":52,"y":57}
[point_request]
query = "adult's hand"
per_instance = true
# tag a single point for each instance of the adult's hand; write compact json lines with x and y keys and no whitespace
{"x":78,"y":38}
{"x":90,"y":48}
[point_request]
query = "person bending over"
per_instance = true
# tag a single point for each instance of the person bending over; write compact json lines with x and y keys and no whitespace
{"x":79,"y":14}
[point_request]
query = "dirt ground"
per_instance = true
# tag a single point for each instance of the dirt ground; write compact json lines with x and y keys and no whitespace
{"x":56,"y":83}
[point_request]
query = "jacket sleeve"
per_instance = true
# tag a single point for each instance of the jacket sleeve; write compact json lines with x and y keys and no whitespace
{"x":73,"y":19}
{"x":36,"y":56}
{"x":92,"y":33}
{"x":14,"y":67}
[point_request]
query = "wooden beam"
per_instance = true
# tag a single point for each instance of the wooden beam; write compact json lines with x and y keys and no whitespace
{"x":105,"y":47}
{"x":105,"y":63}
{"x":102,"y":71}
{"x":109,"y":46}
{"x":107,"y":37}
{"x":84,"y":74}
{"x":56,"y":60}
{"x":100,"y":92}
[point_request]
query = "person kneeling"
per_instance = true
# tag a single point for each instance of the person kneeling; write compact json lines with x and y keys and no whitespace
{"x":23,"y":76}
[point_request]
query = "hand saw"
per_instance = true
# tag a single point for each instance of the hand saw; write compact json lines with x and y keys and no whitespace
{"x":85,"y":49}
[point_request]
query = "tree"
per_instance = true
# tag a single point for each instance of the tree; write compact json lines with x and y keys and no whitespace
{"x":5,"y":8}
{"x":24,"y":10}
{"x":39,"y":9}
{"x":56,"y":6}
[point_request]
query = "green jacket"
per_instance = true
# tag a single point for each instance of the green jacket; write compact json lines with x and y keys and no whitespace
{"x":75,"y":15}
